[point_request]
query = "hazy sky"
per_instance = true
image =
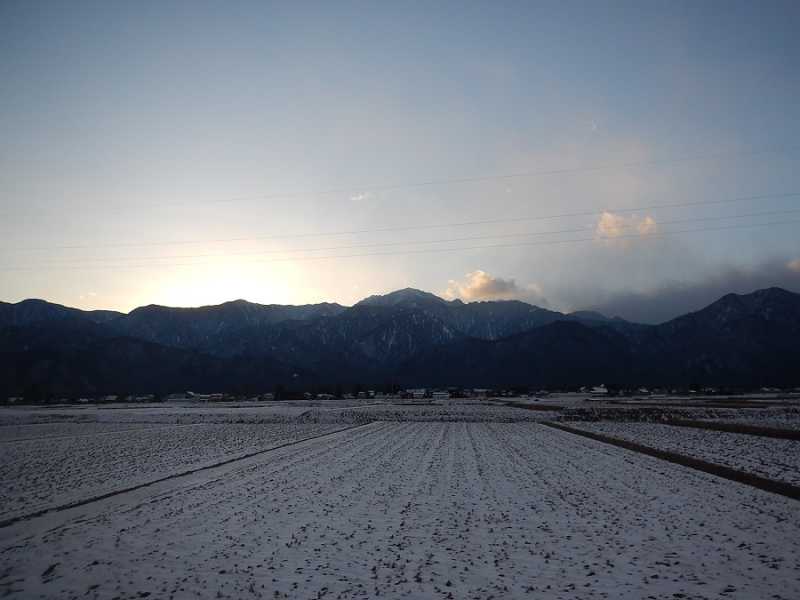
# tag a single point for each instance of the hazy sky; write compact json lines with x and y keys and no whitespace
{"x":124,"y":125}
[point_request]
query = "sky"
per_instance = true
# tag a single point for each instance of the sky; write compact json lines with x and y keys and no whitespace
{"x":638,"y":158}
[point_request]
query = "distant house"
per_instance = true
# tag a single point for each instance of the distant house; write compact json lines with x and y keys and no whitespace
{"x":599,"y":390}
{"x":441,"y":396}
{"x":416,"y":394}
{"x":204,"y":397}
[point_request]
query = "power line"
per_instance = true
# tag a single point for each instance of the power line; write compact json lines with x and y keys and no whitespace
{"x":497,"y":177}
{"x":406,"y":243}
{"x":418,"y":227}
{"x":444,"y":181}
{"x":420,"y":251}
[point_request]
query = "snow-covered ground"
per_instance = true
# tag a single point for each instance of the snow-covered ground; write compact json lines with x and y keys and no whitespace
{"x":661,"y":413}
{"x":767,"y":457}
{"x":60,"y":469}
{"x":170,"y":412}
{"x":419,"y":510}
{"x":11,"y":433}
{"x":776,"y":423}
{"x":788,"y":418}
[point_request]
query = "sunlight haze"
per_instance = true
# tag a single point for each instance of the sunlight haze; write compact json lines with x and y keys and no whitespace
{"x":257,"y":130}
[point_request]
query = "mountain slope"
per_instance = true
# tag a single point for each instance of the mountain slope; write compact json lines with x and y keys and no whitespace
{"x":407,"y":336}
{"x":486,"y":320}
{"x":751,"y":339}
{"x":739,"y":338}
{"x":67,"y":358}
{"x":33,"y":311}
{"x":557,"y":354}
{"x":198,"y":328}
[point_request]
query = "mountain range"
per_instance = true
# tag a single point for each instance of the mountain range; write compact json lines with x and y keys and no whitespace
{"x":408,"y":337}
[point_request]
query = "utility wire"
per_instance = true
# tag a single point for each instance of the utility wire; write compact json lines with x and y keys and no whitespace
{"x":355,"y":189}
{"x":498,"y":177}
{"x":59,"y":260}
{"x":421,"y":251}
{"x":418,"y":227}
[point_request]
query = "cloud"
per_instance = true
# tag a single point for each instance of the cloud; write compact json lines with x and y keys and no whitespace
{"x":647,"y":226}
{"x":479,"y":285}
{"x":669,"y":301}
{"x":611,"y":225}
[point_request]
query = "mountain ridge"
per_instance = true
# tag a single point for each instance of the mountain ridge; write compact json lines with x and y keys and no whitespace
{"x":409,"y":337}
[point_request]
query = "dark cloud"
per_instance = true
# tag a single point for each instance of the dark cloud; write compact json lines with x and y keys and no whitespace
{"x":672,"y":300}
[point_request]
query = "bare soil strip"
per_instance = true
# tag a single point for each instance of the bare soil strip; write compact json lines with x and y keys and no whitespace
{"x":762,"y":483}
{"x":772,"y":432}
{"x":542,"y":407}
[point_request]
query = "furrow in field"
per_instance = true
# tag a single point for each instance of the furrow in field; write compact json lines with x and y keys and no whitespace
{"x":424,"y":510}
{"x":43,"y":474}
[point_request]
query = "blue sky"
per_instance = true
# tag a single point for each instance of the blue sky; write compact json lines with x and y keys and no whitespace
{"x":126,"y":125}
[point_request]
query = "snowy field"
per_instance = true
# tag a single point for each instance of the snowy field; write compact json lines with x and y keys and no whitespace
{"x":777,"y":423}
{"x":419,"y":510}
{"x":778,"y":419}
{"x":33,"y":421}
{"x":767,"y":457}
{"x":12,"y":433}
{"x":158,"y":413}
{"x":54,"y":470}
{"x":782,"y":417}
{"x":473,"y":412}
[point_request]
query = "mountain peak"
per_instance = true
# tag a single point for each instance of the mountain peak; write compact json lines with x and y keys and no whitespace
{"x":588,"y":315}
{"x":774,"y":293}
{"x":405,"y":297}
{"x":770,"y":304}
{"x":755,"y":300}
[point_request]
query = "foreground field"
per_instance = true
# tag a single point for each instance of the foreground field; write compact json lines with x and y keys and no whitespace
{"x":420,"y":510}
{"x":86,"y":460}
